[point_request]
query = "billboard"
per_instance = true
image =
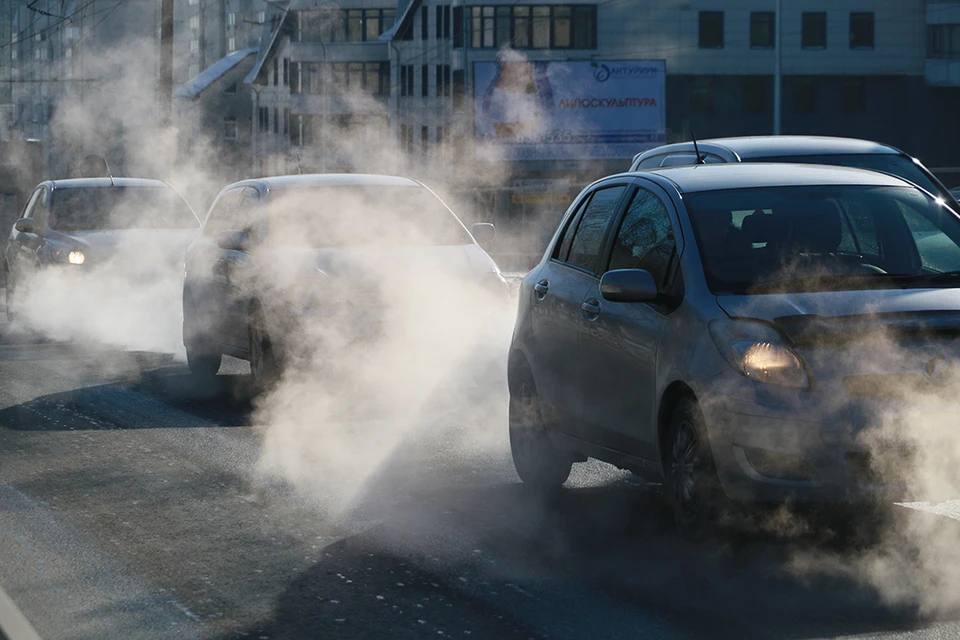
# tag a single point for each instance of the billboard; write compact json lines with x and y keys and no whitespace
{"x":548,"y":110}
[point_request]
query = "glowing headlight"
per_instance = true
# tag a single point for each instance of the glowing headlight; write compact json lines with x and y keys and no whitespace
{"x":757,"y":351}
{"x":76,"y":257}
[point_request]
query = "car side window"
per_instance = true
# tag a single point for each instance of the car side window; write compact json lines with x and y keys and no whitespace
{"x":588,"y":240}
{"x":41,"y":207}
{"x":645,"y":239}
{"x":249,"y":213}
{"x":650,"y":163}
{"x":223,"y":214}
{"x":28,"y":208}
{"x":562,"y":249}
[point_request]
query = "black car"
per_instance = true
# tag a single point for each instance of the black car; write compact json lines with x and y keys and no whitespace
{"x":82,"y":225}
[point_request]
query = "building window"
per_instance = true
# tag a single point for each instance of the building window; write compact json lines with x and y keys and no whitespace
{"x":231,"y":44}
{"x":458,"y":27}
{"x":861,"y":30}
{"x":230,"y":128}
{"x":232,"y":19}
{"x":231,"y":90}
{"x":263,"y":118}
{"x":276,"y":120}
{"x":372,"y":78}
{"x":755,"y":92}
{"x":286,"y":72}
{"x":804,"y":96}
{"x":762,"y":30}
{"x":531,"y":27}
{"x":425,"y":81}
{"x":853,"y":99}
{"x":424,"y":139}
{"x":443,"y":22}
{"x":459,"y":89}
{"x":406,"y":80}
{"x":194,"y":22}
{"x":194,"y":46}
{"x":194,"y":70}
{"x":711,"y":30}
{"x":406,"y":138}
{"x":354,"y":25}
{"x":814,"y":30}
{"x":424,"y":24}
{"x":702,"y":97}
{"x":286,"y":121}
{"x":943,"y":41}
{"x":276,"y":71}
{"x":295,"y":77}
{"x":443,"y":81}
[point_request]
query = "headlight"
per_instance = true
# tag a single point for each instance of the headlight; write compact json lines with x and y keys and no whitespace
{"x":757,"y":351}
{"x":76,"y":257}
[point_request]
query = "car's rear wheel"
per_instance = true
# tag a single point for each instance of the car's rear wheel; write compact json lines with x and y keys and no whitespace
{"x":692,"y":485}
{"x":203,"y":360}
{"x":264,"y":365}
{"x":538,"y":461}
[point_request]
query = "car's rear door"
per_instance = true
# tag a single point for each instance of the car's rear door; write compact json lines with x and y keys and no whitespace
{"x":559,"y":291}
{"x":619,"y":341}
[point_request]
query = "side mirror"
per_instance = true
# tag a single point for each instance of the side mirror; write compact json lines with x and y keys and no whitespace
{"x":25,"y":225}
{"x":483,"y":232}
{"x":629,"y":285}
{"x":233,"y":240}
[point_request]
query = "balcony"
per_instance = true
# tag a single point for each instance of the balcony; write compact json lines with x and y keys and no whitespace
{"x":339,"y":52}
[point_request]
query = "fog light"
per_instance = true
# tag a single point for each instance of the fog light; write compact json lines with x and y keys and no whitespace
{"x":76,"y":257}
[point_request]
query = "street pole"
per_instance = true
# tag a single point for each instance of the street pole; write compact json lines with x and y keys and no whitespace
{"x":166,"y":62}
{"x":777,"y":80}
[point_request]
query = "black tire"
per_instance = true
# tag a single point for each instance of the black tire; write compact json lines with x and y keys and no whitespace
{"x":265,"y":367}
{"x":10,"y":301}
{"x":202,"y":360}
{"x":692,"y":487}
{"x":538,"y":461}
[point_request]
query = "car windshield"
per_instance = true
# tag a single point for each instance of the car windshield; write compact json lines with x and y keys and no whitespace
{"x":895,"y":164}
{"x":358,"y":216}
{"x":811,"y":238}
{"x":116,"y":208}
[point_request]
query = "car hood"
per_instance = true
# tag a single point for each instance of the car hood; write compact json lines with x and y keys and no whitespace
{"x":833,"y":314}
{"x":106,"y":241}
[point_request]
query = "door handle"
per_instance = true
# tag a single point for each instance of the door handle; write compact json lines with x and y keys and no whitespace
{"x":541,"y":289}
{"x":591,"y":309}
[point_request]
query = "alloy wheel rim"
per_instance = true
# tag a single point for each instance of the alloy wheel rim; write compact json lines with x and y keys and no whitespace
{"x":687,"y":469}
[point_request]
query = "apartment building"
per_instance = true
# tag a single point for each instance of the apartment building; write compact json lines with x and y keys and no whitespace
{"x":207,"y":31}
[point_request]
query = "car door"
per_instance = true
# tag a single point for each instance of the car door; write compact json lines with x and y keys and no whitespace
{"x":204,"y":299}
{"x":560,"y":288}
{"x":236,"y":271}
{"x":620,"y":341}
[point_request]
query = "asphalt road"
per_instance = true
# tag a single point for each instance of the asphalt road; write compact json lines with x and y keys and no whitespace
{"x":133,"y":505}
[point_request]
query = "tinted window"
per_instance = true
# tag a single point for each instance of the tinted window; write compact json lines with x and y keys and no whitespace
{"x":358,"y":216}
{"x":645,"y":239}
{"x":111,"y":208}
{"x":822,"y":237}
{"x":588,"y":240}
{"x":28,"y":209}
{"x":563,"y":245}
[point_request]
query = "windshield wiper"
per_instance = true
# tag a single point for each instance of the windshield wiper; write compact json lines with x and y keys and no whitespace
{"x":939,"y":278}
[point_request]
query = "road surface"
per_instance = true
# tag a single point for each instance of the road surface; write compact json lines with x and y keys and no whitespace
{"x":133,"y":504}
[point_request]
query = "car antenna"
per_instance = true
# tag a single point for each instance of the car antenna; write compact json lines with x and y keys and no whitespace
{"x":696,"y":147}
{"x":109,"y":173}
{"x":299,"y":167}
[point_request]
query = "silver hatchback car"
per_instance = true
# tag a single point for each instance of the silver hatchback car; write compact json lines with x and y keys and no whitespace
{"x":705,"y":326}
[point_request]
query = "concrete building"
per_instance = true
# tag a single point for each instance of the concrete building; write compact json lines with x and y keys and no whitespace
{"x":206,"y":31}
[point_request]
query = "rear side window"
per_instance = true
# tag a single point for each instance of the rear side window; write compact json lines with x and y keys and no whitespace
{"x":588,"y":240}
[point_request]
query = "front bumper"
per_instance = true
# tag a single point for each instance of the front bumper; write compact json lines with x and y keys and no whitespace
{"x":772,"y":444}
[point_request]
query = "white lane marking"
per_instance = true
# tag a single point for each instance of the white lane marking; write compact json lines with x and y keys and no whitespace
{"x":949,"y":509}
{"x":186,"y":612}
{"x":13,"y":623}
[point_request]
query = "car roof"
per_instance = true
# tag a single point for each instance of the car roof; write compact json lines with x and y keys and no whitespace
{"x":87,"y":183}
{"x":715,"y":177}
{"x":778,"y":146}
{"x":332,"y":180}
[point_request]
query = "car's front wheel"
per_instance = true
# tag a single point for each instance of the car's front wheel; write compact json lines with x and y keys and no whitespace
{"x":203,"y":360}
{"x":538,"y":461}
{"x":264,"y":364}
{"x":692,"y":485}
